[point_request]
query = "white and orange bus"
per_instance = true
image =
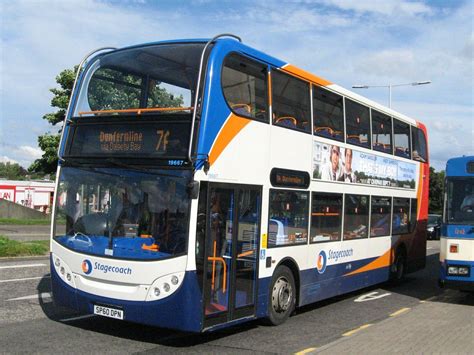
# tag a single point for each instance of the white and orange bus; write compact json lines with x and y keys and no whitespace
{"x":205,"y":183}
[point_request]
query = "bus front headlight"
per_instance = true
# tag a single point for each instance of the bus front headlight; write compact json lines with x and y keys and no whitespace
{"x":164,"y":286}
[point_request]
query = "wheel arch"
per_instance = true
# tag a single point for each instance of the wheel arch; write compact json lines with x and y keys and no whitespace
{"x":291,"y":264}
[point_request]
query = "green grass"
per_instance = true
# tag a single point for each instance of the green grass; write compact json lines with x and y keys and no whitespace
{"x":15,"y":248}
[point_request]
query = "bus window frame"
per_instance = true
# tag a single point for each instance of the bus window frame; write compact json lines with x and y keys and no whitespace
{"x":343,"y":115}
{"x":422,"y":158}
{"x":308,"y":194}
{"x":369,"y":128}
{"x":390,"y":215}
{"x":408,"y":231}
{"x":309,"y":130}
{"x":394,"y":123}
{"x":372,"y":129}
{"x":367,"y":236}
{"x":341,"y":218}
{"x":267,"y":87}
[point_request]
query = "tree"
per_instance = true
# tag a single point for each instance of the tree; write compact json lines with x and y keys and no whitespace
{"x":12,"y":171}
{"x":49,"y":142}
{"x":436,"y":191}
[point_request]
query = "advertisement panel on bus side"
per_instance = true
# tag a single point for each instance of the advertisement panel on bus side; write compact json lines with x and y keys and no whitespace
{"x":332,"y":162}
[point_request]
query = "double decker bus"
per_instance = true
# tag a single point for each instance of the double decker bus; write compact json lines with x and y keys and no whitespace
{"x":203,"y":183}
{"x":457,"y":232}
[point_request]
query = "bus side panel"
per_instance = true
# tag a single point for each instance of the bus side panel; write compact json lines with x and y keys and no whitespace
{"x":182,"y":310}
{"x":316,"y":288}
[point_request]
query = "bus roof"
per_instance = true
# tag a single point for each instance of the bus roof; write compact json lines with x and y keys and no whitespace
{"x":460,"y":166}
{"x":289,"y":68}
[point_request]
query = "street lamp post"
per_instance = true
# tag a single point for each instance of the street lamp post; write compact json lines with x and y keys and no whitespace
{"x":390,"y":86}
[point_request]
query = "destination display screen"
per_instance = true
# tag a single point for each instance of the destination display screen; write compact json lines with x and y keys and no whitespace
{"x":126,"y":139}
{"x":289,"y":178}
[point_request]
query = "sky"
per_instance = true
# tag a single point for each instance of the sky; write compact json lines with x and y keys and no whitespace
{"x":348,"y":42}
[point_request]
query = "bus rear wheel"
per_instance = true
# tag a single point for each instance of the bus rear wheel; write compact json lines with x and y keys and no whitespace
{"x":398,"y":267}
{"x":282,"y":296}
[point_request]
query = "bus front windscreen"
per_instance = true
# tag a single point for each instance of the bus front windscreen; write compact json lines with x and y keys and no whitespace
{"x":123,"y":213}
{"x":460,"y":203}
{"x":158,"y":79}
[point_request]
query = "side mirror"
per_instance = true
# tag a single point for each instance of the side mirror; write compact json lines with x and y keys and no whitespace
{"x":193,"y":189}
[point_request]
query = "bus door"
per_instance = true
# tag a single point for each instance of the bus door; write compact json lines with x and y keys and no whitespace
{"x":231,"y":252}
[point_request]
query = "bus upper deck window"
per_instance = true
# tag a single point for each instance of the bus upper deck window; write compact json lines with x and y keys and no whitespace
{"x":328,"y":114}
{"x":381,"y":132}
{"x":357,"y":124}
{"x":245,"y":87}
{"x":291,"y":102}
{"x":401,"y":132}
{"x":419,"y":145}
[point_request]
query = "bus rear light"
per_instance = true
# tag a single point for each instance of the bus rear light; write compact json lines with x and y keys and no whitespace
{"x":156,"y":291}
{"x":453,"y":248}
{"x":174,"y":280}
{"x":166,"y":287}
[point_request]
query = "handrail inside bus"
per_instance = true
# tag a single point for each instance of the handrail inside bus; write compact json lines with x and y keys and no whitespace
{"x":196,"y":99}
{"x":138,"y":111}
{"x":81,"y":64}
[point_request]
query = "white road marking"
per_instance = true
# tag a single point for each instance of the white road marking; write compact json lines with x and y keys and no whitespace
{"x":32,"y":297}
{"x":77,"y":318}
{"x":26,"y":279}
{"x":21,"y":266}
{"x":371,"y":296}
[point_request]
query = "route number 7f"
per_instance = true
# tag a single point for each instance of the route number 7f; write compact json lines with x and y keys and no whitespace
{"x":162,"y":140}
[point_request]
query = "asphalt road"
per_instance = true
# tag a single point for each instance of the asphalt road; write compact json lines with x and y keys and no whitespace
{"x":25,"y":233}
{"x":30,"y":323}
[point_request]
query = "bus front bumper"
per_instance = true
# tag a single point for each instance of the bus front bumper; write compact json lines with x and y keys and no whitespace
{"x":181,"y":310}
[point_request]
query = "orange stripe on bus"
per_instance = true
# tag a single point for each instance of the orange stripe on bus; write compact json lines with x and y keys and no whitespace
{"x":305,"y":75}
{"x":381,"y":261}
{"x":231,"y":128}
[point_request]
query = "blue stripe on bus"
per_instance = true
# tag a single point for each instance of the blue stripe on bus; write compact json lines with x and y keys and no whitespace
{"x":456,"y":231}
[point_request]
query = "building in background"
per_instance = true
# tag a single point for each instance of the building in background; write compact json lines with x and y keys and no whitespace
{"x":33,"y":194}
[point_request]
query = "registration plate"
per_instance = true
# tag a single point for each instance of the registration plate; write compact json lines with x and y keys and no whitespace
{"x":108,"y":312}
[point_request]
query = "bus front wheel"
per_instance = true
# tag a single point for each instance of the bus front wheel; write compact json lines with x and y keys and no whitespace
{"x":282,"y":296}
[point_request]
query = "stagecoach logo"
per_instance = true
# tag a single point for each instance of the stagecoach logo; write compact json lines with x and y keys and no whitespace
{"x":86,"y":267}
{"x":321,"y":262}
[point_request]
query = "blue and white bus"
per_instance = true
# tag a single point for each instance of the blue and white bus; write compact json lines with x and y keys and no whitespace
{"x":457,"y":232}
{"x":203,"y":183}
